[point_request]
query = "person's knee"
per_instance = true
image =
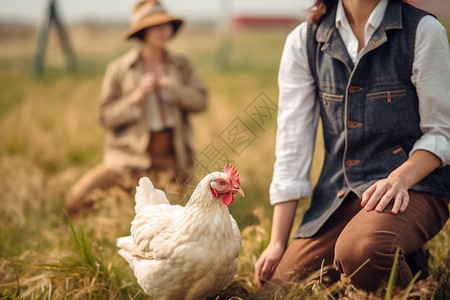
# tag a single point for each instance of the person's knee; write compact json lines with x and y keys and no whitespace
{"x":365,"y":262}
{"x":352,"y":254}
{"x":73,"y":203}
{"x":79,"y":200}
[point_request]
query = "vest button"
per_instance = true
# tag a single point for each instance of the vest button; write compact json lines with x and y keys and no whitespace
{"x":340,"y":194}
{"x":353,"y":89}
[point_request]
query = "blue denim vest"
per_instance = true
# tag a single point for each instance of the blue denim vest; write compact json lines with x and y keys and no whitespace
{"x":369,"y":111}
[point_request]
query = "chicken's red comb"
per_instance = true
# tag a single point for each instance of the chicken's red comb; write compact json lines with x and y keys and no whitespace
{"x":232,"y":173}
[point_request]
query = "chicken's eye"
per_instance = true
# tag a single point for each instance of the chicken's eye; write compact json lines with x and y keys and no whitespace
{"x":222,"y":182}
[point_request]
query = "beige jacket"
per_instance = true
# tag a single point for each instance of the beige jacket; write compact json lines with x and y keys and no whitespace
{"x":128,"y":133}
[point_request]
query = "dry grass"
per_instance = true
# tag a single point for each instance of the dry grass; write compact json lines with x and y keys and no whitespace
{"x":49,"y":137}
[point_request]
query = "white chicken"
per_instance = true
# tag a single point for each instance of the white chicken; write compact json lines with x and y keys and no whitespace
{"x":188,"y":252}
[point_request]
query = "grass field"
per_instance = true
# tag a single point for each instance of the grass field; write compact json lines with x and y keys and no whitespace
{"x":49,"y":137}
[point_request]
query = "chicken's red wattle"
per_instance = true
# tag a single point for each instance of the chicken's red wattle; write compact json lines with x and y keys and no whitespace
{"x":227,"y":198}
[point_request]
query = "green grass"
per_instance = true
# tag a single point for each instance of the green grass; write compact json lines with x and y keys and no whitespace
{"x":49,"y":137}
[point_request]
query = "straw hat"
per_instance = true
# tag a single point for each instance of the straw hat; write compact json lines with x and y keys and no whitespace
{"x":149,"y":13}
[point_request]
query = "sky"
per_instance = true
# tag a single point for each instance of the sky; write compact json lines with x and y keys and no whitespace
{"x":73,"y":11}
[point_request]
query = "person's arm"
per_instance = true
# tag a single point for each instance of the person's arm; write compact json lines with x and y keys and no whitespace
{"x":116,"y":109}
{"x":298,"y":114}
{"x":431,"y":70}
{"x":283,"y":217}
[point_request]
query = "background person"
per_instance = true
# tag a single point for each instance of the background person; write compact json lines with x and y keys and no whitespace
{"x":146,"y":99}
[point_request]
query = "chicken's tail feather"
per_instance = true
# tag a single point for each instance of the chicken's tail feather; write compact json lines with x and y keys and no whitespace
{"x":125,"y":242}
{"x":147,"y":194}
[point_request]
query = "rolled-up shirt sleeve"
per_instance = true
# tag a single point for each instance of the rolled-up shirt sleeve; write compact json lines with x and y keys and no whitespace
{"x":298,"y":115}
{"x":431,"y":75}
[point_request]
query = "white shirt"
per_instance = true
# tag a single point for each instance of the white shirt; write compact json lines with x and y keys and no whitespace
{"x":299,"y":111}
{"x":160,"y":113}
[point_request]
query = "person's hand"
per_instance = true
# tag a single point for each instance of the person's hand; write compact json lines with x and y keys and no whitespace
{"x":378,"y":195}
{"x":147,"y":85}
{"x":395,"y":186}
{"x":267,"y":263}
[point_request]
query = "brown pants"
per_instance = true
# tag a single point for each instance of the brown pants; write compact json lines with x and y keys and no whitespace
{"x":352,"y":236}
{"x":79,"y":203}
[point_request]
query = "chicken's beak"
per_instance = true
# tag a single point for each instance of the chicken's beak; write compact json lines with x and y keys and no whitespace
{"x":240,"y":192}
